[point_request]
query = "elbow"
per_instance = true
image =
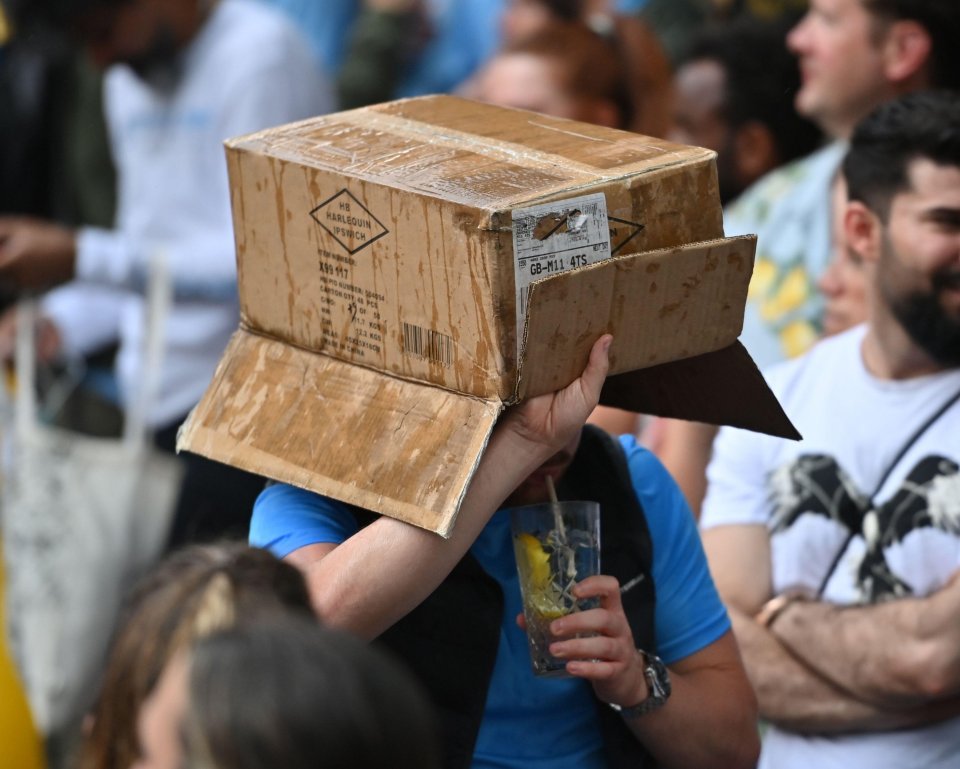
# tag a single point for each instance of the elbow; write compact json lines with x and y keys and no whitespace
{"x":745,"y":754}
{"x":921,"y":672}
{"x":740,"y":746}
{"x":750,"y":757}
{"x":742,"y":752}
{"x":341,"y":614}
{"x":933,"y":672}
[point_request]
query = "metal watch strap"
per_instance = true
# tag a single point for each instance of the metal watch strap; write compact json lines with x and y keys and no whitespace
{"x":658,"y":686}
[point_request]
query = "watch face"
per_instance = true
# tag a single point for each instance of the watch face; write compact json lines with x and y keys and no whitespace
{"x":658,"y":683}
{"x":658,"y":678}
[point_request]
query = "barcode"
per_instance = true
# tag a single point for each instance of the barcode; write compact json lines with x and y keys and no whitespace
{"x":429,"y":344}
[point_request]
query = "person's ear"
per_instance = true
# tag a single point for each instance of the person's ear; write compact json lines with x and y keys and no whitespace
{"x":907,"y":51}
{"x":755,"y":151}
{"x":863,"y":231}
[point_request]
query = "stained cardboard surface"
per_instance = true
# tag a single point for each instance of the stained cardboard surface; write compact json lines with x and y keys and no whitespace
{"x":401,"y":448}
{"x":378,"y":288}
{"x":661,"y":306}
{"x":383,"y":236}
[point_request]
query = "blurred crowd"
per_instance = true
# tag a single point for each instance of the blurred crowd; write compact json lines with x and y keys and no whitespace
{"x":112,"y":122}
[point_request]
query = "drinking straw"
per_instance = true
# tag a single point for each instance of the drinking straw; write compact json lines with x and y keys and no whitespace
{"x":555,"y":507}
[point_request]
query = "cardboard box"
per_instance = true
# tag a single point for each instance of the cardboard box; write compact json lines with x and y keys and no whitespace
{"x":384,"y":256}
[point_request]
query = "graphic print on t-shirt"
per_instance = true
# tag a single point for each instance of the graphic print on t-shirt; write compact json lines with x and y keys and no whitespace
{"x":814,"y":484}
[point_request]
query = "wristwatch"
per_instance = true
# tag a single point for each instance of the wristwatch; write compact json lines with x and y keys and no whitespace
{"x":658,"y":685}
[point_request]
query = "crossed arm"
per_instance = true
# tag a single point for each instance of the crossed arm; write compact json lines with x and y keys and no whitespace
{"x":824,"y":669}
{"x":899,"y":654}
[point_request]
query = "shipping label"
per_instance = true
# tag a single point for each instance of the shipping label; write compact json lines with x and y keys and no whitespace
{"x":556,"y":237}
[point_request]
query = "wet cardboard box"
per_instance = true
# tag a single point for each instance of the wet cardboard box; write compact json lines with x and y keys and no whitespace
{"x":408,"y":270}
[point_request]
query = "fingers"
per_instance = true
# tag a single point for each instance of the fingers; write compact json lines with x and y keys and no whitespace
{"x":551,"y":420}
{"x":609,"y":620}
{"x":574,"y":403}
{"x":601,"y":586}
{"x":598,"y":642}
{"x":598,"y":365}
{"x":591,"y":381}
{"x":36,"y":253}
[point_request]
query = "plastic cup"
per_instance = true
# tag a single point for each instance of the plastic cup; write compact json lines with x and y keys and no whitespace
{"x":556,"y":544}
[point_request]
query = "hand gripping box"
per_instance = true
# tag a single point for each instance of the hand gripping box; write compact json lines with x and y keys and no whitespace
{"x":408,"y":270}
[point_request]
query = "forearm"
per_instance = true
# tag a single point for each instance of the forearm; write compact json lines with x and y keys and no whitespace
{"x":898,"y":654}
{"x":794,"y":697}
{"x":709,"y":721}
{"x":388,"y":568}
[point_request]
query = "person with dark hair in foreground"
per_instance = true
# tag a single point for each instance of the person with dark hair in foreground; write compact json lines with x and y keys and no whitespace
{"x":194,"y":591}
{"x":839,"y":556}
{"x":285,"y":692}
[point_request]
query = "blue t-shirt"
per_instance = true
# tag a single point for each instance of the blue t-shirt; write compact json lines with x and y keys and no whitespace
{"x":529,"y":722}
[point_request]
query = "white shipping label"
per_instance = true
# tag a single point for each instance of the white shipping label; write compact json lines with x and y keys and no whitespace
{"x":555,"y":237}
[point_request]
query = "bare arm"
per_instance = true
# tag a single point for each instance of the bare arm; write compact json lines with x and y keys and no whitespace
{"x":710,"y":719}
{"x":791,"y":693}
{"x":388,"y":568}
{"x":794,"y":697}
{"x":900,"y":653}
{"x":35,"y":253}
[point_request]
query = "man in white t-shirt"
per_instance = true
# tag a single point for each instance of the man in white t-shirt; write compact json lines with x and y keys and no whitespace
{"x":838,"y":555}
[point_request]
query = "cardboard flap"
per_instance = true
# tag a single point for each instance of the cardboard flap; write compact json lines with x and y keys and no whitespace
{"x":660,"y":306}
{"x":399,"y":448}
{"x":722,"y":388}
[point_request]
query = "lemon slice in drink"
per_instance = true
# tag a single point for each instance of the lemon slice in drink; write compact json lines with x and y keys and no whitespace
{"x":536,"y":572}
{"x":536,"y":560}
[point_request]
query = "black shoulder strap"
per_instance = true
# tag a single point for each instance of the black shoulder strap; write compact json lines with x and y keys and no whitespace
{"x":891,"y":466}
{"x":600,"y":473}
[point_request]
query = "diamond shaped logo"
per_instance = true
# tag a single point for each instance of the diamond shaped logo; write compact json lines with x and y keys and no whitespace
{"x":348,"y":221}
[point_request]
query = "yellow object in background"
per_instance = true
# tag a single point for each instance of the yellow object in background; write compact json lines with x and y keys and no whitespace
{"x":797,"y":337}
{"x":5,"y":31}
{"x":20,"y":745}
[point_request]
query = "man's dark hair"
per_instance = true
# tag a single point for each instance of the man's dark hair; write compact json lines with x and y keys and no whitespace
{"x":941,"y":20}
{"x":762,"y":77}
{"x":924,"y":124}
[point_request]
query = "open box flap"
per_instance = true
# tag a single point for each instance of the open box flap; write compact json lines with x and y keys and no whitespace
{"x":659,"y":305}
{"x":400,"y":448}
{"x":675,"y":315}
{"x":724,"y":387}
